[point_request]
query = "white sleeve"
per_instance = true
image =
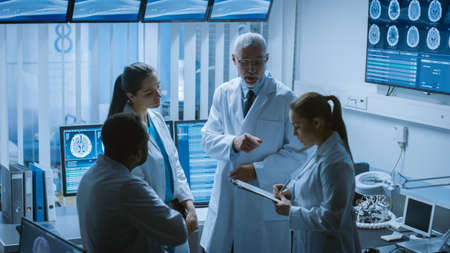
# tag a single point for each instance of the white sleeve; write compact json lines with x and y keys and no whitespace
{"x":217,"y":144}
{"x":140,"y":203}
{"x":336,"y":194}
{"x":182,"y":190}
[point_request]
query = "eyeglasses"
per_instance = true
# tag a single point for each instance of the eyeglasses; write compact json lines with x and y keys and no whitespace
{"x":255,"y":62}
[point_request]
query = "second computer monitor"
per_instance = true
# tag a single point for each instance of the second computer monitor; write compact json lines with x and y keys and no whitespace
{"x":80,"y":147}
{"x":199,"y":168}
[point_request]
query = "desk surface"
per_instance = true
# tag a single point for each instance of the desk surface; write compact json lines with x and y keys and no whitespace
{"x":66,"y":224}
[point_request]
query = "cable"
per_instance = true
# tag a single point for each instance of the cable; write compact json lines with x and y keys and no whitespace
{"x":388,"y":90}
{"x":396,"y":163}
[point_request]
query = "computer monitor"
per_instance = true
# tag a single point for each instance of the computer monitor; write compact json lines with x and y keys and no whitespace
{"x":175,"y":10}
{"x":199,"y":168}
{"x":80,"y":147}
{"x":248,"y":10}
{"x":106,"y":11}
{"x":25,"y":11}
{"x":408,"y":44}
{"x":35,"y":238}
{"x":418,"y":216}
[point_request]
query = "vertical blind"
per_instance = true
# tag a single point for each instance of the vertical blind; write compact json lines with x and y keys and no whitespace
{"x":59,"y":74}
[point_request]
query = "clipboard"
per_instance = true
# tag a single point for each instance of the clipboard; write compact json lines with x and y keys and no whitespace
{"x":255,"y":190}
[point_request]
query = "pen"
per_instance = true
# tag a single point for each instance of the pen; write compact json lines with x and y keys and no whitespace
{"x":285,"y":184}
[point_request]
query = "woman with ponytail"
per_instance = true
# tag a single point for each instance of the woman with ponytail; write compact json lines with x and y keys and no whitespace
{"x":318,"y":200}
{"x":137,"y":90}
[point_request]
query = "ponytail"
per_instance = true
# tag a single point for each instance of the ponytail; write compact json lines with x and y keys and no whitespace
{"x":119,"y":98}
{"x":338,"y":122}
{"x":312,"y":104}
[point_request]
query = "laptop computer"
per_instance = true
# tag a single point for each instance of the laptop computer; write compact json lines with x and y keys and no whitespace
{"x":418,"y":217}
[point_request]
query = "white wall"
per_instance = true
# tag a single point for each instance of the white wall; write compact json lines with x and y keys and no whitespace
{"x":331,"y":55}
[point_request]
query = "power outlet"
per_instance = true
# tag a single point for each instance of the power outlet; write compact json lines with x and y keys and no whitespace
{"x":401,"y":135}
{"x":356,"y":102}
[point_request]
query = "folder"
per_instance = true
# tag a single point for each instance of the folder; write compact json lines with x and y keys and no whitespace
{"x":27,"y":191}
{"x":49,"y":193}
{"x":255,"y":190}
{"x":12,"y":195}
{"x":38,"y":193}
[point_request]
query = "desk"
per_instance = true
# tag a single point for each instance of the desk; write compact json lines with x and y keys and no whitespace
{"x":371,"y":238}
{"x":66,"y":224}
{"x":68,"y":227}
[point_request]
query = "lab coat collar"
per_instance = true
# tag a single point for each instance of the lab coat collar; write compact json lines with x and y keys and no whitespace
{"x":128,"y":108}
{"x":104,"y":161}
{"x":329,"y":144}
{"x":268,"y":87}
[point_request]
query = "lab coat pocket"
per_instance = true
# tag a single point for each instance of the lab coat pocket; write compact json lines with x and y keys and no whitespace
{"x":271,"y":132}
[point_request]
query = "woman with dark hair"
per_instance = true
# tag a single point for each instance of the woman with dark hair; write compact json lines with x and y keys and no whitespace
{"x":318,"y":200}
{"x":137,"y":90}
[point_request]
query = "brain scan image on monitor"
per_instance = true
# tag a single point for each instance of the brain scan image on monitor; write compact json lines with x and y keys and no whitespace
{"x":414,"y":10}
{"x":435,"y":11}
{"x":80,"y":145}
{"x":412,"y":38}
{"x":392,"y":36}
{"x":394,"y":10}
{"x":433,"y":38}
{"x":374,"y":34}
{"x":375,"y":9}
{"x":41,"y":245}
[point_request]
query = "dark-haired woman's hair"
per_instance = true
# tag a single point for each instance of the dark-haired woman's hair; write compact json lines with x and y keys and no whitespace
{"x":129,"y":81}
{"x":123,"y":135}
{"x":312,"y":104}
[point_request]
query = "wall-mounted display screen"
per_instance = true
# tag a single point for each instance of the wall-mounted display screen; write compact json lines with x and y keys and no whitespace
{"x":199,"y":168}
{"x":240,"y":10}
{"x":80,"y":147}
{"x":408,"y":44}
{"x":175,"y":10}
{"x":106,"y":10}
{"x":22,"y":11}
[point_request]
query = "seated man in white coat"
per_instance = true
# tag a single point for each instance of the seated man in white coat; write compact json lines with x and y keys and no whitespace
{"x":119,"y":212}
{"x":249,"y":133}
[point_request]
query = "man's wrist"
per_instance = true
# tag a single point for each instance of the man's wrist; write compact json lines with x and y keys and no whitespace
{"x":189,"y":205}
{"x":233,"y":145}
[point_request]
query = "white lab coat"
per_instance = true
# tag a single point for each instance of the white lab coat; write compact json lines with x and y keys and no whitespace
{"x":321,"y":215}
{"x":153,"y":170}
{"x":236,"y":217}
{"x":119,"y":212}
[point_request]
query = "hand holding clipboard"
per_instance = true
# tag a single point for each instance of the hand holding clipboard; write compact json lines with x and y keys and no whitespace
{"x":255,"y":190}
